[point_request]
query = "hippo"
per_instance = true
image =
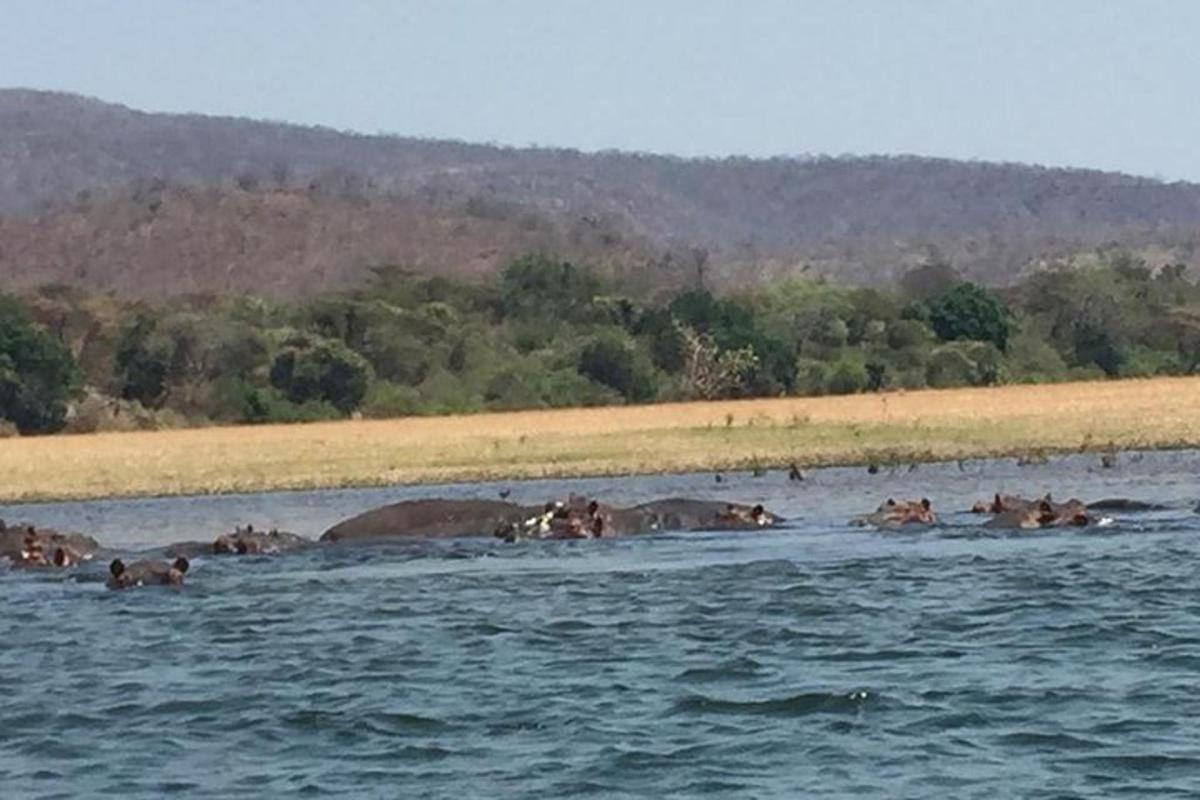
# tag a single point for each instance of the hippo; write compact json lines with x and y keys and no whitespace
{"x":1000,"y":503}
{"x":683,"y":514}
{"x":247,"y":540}
{"x":27,"y":546}
{"x":1125,"y":504}
{"x":1043,"y":513}
{"x":577,"y":518}
{"x":430,"y":518}
{"x":146,"y":573}
{"x":893,"y":514}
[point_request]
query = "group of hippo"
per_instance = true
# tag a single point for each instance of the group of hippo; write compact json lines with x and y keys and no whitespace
{"x":574,"y":518}
{"x":24,"y":546}
{"x":1008,"y":511}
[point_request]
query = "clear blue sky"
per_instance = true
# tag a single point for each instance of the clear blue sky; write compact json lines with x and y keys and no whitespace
{"x":1096,"y":83}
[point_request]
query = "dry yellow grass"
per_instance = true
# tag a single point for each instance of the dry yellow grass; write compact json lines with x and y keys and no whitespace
{"x":902,"y":426}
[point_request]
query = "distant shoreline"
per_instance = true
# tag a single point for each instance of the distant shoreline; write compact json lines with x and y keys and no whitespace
{"x":1030,"y":421}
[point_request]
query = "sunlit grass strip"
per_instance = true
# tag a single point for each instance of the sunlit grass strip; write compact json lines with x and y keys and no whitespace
{"x":887,"y":428}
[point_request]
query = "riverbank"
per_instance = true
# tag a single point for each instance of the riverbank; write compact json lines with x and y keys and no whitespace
{"x":899,"y":427}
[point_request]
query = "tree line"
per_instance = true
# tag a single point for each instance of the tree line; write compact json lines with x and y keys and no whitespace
{"x":546,"y":332}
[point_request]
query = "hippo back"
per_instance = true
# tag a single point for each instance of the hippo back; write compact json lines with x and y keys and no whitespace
{"x":428,"y":519}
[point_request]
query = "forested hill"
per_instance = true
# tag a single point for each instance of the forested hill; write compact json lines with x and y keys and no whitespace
{"x":858,"y":219}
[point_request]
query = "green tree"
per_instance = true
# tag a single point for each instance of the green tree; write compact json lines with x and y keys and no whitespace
{"x":143,"y":360}
{"x":970,"y":312}
{"x":536,"y":286}
{"x":610,"y":359}
{"x":37,"y":373}
{"x":322,"y":370}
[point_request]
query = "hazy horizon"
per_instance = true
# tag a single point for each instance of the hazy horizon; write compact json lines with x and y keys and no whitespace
{"x":1075,"y":85}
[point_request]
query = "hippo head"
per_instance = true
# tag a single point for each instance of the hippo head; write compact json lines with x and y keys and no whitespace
{"x":740,"y":516}
{"x":919,"y":512}
{"x":179,"y":568}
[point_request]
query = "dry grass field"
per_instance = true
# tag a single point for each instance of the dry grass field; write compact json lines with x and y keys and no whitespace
{"x":883,"y":428}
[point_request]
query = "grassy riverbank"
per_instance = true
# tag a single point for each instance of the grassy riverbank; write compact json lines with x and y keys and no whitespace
{"x":881,"y":428}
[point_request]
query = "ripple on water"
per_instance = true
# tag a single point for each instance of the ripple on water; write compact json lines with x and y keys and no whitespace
{"x":817,"y":660}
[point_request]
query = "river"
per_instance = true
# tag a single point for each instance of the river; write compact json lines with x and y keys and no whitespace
{"x":816,"y":660}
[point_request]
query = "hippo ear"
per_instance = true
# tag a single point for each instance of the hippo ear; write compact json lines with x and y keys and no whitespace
{"x":925,"y":504}
{"x":117,"y":567}
{"x":757,"y":511}
{"x":181,"y":564}
{"x":60,"y":557}
{"x":593,"y":507}
{"x":890,"y":502}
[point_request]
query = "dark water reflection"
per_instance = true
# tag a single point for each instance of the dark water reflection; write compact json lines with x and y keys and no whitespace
{"x":818,"y":660}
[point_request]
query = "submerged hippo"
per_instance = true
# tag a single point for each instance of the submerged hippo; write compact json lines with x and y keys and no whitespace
{"x":1124,"y":504}
{"x":1043,"y":513}
{"x":146,"y":573}
{"x":893,"y":514}
{"x":683,"y":514}
{"x":429,"y":518}
{"x":246,"y":540}
{"x":576,"y":518}
{"x":27,"y":546}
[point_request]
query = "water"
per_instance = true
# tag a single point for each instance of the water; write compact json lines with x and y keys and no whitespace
{"x":820,"y":660}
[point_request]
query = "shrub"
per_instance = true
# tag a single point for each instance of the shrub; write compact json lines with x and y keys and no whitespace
{"x":847,"y":375}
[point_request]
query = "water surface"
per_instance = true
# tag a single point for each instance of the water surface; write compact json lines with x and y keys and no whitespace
{"x":819,"y":660}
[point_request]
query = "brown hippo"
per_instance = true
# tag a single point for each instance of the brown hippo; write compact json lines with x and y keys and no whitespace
{"x":146,"y":573}
{"x":1043,"y":513}
{"x":893,"y":514}
{"x":1000,"y":503}
{"x":27,"y":546}
{"x":683,"y":514}
{"x":429,"y":518}
{"x":577,"y":518}
{"x":246,"y":540}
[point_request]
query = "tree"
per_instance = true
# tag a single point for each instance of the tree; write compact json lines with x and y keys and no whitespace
{"x":143,"y":360}
{"x":970,"y":312}
{"x":324,"y":370}
{"x":37,"y":373}
{"x":536,"y":286}
{"x":611,"y":360}
{"x":711,"y":372}
{"x":929,"y":280}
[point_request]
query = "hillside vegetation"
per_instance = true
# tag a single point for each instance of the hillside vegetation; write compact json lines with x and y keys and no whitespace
{"x":547,"y":333}
{"x":96,"y":192}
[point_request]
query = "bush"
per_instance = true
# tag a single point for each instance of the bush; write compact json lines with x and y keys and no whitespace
{"x":847,"y":375}
{"x":385,"y":399}
{"x":811,"y":376}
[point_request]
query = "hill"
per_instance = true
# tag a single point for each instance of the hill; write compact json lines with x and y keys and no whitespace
{"x":113,"y":198}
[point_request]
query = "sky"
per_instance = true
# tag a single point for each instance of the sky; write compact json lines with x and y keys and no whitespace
{"x":1106,"y":84}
